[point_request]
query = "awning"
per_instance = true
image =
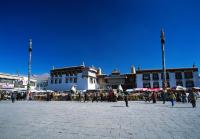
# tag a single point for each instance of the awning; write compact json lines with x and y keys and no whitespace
{"x":179,"y":88}
{"x":73,"y":89}
{"x":196,"y":88}
{"x":120,"y":88}
{"x":154,"y":89}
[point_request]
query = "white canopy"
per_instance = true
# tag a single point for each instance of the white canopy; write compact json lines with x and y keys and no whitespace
{"x":129,"y":90}
{"x":51,"y":91}
{"x":73,"y":89}
{"x":179,"y":88}
{"x":120,"y":88}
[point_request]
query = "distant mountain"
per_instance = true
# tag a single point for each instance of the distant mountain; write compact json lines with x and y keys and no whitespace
{"x":40,"y":77}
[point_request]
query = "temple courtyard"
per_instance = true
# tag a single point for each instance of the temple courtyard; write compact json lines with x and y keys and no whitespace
{"x":98,"y":120}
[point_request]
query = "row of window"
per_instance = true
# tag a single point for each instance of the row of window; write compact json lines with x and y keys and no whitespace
{"x":67,"y":80}
{"x":67,"y":74}
{"x":92,"y":80}
{"x":70,"y":80}
{"x":178,"y":75}
{"x":44,"y":84}
{"x":188,"y":83}
{"x":155,"y":85}
{"x":7,"y":81}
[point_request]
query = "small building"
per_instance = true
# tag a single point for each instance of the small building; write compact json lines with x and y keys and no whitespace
{"x":81,"y":77}
{"x":115,"y":79}
{"x":9,"y":81}
{"x":127,"y":81}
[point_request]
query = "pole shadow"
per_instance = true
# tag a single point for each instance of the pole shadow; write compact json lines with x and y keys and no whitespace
{"x":178,"y":107}
{"x":118,"y":106}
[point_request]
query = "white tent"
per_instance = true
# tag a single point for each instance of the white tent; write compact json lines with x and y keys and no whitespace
{"x":41,"y":91}
{"x":179,"y":88}
{"x":73,"y":89}
{"x":197,"y":88}
{"x":129,"y":90}
{"x":120,"y":88}
{"x":51,"y":91}
{"x":34,"y":91}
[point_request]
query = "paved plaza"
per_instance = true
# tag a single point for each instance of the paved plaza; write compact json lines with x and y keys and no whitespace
{"x":102,"y":120}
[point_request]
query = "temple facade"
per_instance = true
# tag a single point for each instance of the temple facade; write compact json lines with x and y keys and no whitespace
{"x":81,"y":77}
{"x":90,"y":78}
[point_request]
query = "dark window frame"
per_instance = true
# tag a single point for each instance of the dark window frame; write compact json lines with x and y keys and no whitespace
{"x":189,"y":81}
{"x":66,"y":80}
{"x":155,"y":76}
{"x":188,"y":75}
{"x":178,"y":75}
{"x":75,"y":80}
{"x":146,"y":85}
{"x":60,"y":81}
{"x":179,"y":83}
{"x":156,"y":85}
{"x":146,"y":76}
{"x":167,"y":75}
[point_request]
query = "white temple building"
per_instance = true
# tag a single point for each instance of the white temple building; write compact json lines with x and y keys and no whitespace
{"x":81,"y":77}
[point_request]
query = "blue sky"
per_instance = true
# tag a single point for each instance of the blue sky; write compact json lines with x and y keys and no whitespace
{"x":105,"y":33}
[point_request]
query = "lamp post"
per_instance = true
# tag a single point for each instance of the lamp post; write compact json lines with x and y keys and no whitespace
{"x":29,"y":70}
{"x":162,"y":37}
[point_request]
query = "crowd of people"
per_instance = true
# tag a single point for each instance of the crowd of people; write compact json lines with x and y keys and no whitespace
{"x":172,"y":96}
{"x":13,"y":96}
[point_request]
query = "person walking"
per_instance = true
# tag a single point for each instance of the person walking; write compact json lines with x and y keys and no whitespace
{"x":48,"y":96}
{"x":163,"y":96}
{"x":126,"y":98}
{"x":146,"y":96}
{"x":101,"y":96}
{"x":79,"y":96}
{"x":172,"y":98}
{"x":154,"y":97}
{"x":13,"y":97}
{"x":183,"y":96}
{"x":192,"y":97}
{"x":93,"y":97}
{"x":85,"y":96}
{"x":97,"y":96}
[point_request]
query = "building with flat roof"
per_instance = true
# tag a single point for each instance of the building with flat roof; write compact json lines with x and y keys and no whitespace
{"x":127,"y":81}
{"x":90,"y":78}
{"x":152,"y":78}
{"x":81,"y":77}
{"x":9,"y":81}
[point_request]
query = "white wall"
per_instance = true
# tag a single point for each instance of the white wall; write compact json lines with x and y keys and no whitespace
{"x":139,"y":80}
{"x":83,"y":82}
{"x":172,"y":80}
{"x":196,"y":79}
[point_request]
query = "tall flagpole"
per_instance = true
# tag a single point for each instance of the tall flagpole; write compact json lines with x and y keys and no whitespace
{"x":162,"y":37}
{"x":29,"y":96}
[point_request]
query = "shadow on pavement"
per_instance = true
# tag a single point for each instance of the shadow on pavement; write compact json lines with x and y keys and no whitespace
{"x":163,"y":105}
{"x":178,"y":107}
{"x":143,"y":102}
{"x":118,"y":106}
